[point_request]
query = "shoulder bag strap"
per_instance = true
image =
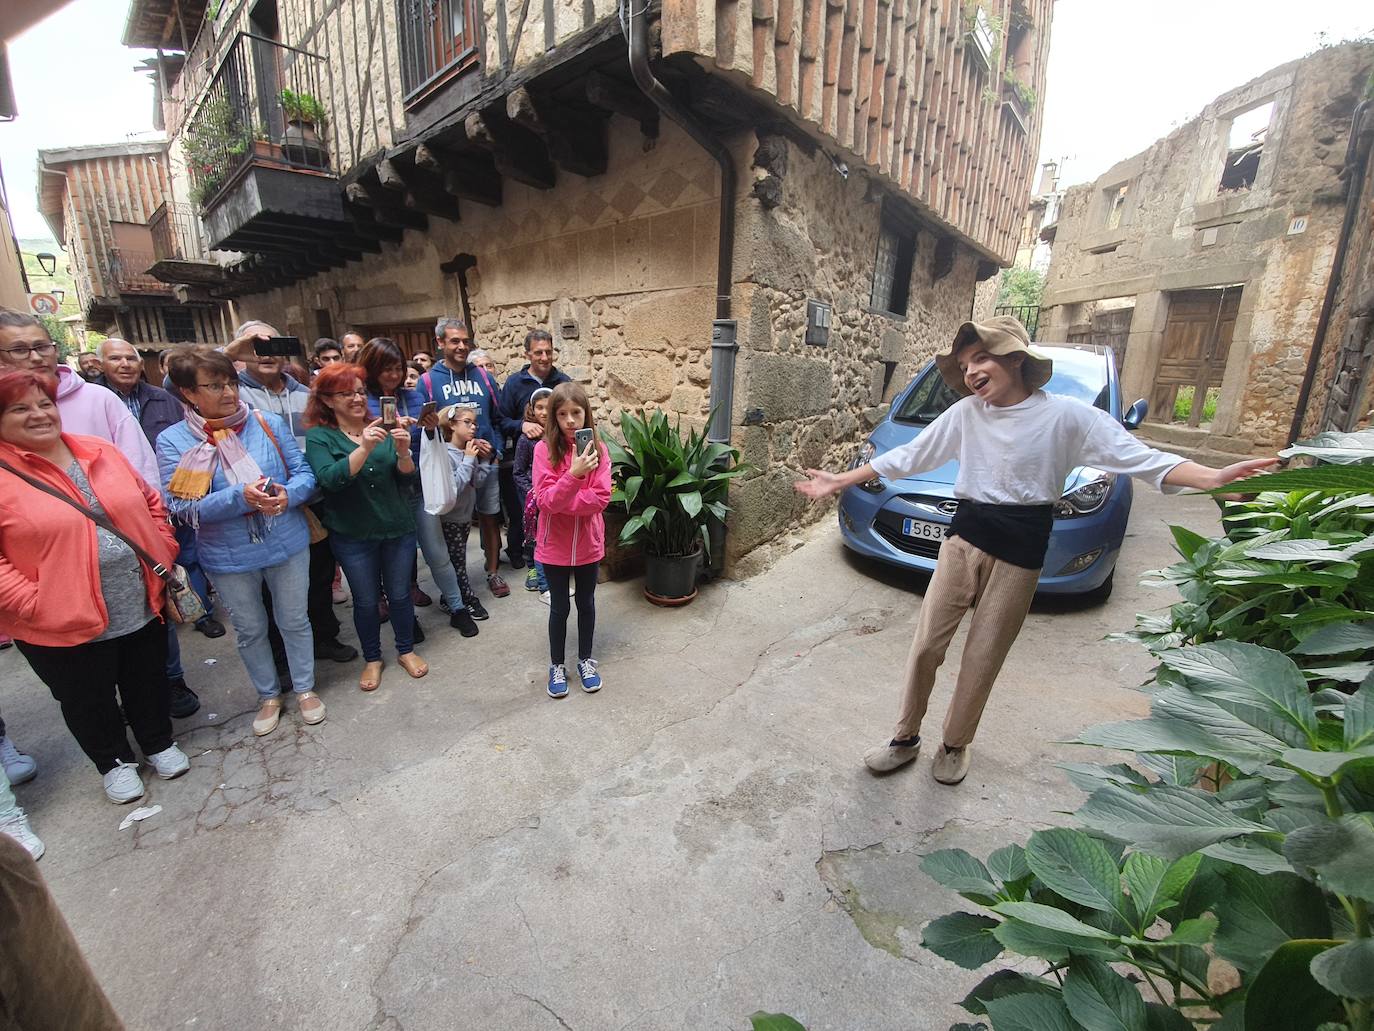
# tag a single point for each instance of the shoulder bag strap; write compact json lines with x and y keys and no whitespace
{"x":273,"y":438}
{"x":157,"y":567}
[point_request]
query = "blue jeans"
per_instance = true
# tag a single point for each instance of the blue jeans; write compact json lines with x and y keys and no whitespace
{"x":540,"y":578}
{"x":431,"y":537}
{"x":174,"y":670}
{"x":371,"y":566}
{"x":189,"y":559}
{"x":289,"y":583}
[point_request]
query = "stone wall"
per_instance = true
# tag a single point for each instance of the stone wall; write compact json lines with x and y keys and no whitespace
{"x":798,"y":405}
{"x":1178,"y":231}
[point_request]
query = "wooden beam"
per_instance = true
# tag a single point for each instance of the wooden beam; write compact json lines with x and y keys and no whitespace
{"x":516,"y":152}
{"x":424,"y":191}
{"x":385,"y":205}
{"x":465,"y":176}
{"x":626,"y":101}
{"x":575,"y":139}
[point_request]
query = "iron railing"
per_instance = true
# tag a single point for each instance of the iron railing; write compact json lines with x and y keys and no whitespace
{"x":262,"y":106}
{"x":1029,"y":314}
{"x":176,"y":234}
{"x":437,"y":38}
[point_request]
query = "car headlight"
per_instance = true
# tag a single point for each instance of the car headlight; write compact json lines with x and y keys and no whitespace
{"x":866,"y":454}
{"x":1090,"y":495}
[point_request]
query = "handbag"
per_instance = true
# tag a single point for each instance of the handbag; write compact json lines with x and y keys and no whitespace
{"x":184,"y":605}
{"x":318,"y":531}
{"x":436,"y":475}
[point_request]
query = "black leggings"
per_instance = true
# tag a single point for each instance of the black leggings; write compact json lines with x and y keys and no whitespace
{"x":585,"y":579}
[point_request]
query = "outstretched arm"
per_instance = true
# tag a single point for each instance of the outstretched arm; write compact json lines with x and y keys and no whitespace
{"x":1190,"y":474}
{"x":821,"y":484}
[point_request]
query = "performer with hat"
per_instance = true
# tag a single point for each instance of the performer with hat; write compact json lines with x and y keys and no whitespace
{"x":1015,"y":444}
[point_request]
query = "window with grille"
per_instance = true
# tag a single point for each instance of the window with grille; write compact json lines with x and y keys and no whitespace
{"x":180,"y":325}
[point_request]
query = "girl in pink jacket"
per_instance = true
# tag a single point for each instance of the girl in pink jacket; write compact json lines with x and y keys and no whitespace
{"x":572,"y":489}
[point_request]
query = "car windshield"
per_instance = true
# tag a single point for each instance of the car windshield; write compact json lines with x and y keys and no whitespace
{"x":1077,"y":374}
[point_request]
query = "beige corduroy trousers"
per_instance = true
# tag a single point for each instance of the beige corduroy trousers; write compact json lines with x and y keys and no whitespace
{"x":1000,"y":595}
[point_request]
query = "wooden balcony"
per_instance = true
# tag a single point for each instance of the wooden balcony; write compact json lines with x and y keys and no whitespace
{"x":179,"y":252}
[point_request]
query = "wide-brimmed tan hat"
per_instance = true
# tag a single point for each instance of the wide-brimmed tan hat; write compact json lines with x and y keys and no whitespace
{"x":1000,"y":335}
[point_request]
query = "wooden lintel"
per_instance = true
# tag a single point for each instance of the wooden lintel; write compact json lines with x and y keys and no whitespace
{"x":576,"y":140}
{"x":390,"y":176}
{"x":516,"y":152}
{"x":628,"y":102}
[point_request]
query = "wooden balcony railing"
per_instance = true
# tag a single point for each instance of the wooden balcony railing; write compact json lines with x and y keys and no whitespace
{"x":176,"y":234}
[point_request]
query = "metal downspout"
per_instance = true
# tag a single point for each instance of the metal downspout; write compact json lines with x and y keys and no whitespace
{"x":634,"y":21}
{"x":1333,"y":282}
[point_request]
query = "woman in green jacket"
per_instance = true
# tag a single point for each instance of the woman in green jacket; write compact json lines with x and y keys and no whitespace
{"x":365,"y":472}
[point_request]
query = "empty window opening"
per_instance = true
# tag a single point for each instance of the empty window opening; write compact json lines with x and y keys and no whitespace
{"x":1116,"y":204}
{"x":892,"y":271}
{"x":1244,"y":147}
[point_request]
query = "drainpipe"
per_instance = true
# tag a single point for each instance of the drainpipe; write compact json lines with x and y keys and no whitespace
{"x":1333,"y":283}
{"x":635,"y":24}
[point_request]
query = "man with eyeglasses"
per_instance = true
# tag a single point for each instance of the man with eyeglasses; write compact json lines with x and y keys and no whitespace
{"x":538,"y":372}
{"x":86,"y":409}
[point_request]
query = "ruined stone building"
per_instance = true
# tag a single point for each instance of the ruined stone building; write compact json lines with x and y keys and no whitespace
{"x":1207,"y":255}
{"x":541,"y":163}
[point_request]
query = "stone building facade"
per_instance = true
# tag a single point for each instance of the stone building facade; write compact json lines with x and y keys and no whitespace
{"x":882,"y":171}
{"x":1220,"y":238}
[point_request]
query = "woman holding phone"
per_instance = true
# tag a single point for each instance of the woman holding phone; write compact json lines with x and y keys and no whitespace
{"x":238,"y":478}
{"x":367,"y":474}
{"x":384,"y":370}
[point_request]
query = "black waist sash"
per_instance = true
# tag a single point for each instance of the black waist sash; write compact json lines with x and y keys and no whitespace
{"x":1019,"y":534}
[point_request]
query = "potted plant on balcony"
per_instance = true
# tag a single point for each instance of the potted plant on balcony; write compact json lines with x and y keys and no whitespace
{"x":671,"y":487}
{"x":300,"y":141}
{"x":1019,"y":99}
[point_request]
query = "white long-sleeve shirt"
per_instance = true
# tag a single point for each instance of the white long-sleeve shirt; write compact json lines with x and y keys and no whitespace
{"x":1021,"y":453}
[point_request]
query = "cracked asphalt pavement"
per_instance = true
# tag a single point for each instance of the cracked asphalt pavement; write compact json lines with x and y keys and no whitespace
{"x":698,"y":841}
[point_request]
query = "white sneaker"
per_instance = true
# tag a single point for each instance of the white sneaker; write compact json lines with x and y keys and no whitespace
{"x":18,"y":766}
{"x":123,"y":784}
{"x":544,"y":597}
{"x":17,"y":827}
{"x":170,"y":762}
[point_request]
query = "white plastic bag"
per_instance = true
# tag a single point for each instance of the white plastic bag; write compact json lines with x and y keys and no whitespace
{"x":436,"y":474}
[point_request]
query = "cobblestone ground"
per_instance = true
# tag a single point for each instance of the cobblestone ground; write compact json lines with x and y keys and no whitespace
{"x":696,"y":842}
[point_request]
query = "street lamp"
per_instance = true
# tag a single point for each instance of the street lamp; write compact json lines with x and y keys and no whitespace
{"x":47,"y":262}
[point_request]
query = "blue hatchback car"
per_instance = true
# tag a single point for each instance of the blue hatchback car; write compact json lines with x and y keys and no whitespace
{"x":903,"y":522}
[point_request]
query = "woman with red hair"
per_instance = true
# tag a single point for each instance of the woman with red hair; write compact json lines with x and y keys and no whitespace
{"x":367,"y":473}
{"x":84,"y":609}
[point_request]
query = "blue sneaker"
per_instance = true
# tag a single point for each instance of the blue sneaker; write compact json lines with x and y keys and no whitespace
{"x":586,"y":672}
{"x":558,"y":682}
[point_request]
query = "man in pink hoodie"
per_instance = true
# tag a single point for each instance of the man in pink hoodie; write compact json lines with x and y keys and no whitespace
{"x":87,"y":409}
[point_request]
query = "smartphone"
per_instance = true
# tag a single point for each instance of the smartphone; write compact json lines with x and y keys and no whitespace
{"x":581,"y":439}
{"x":267,"y":485}
{"x":427,"y":409}
{"x":388,"y":407}
{"x":276,"y":346}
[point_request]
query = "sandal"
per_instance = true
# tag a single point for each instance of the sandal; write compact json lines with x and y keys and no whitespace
{"x":372,"y":676}
{"x":269,"y":714}
{"x":311,"y":708}
{"x":413,"y":664}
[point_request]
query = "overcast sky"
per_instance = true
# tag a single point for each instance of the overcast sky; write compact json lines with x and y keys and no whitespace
{"x":1121,"y":76}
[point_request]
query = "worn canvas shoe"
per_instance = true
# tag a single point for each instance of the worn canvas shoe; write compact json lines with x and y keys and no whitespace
{"x":891,"y":756}
{"x":170,"y":762}
{"x":951,"y":764}
{"x":532,"y":580}
{"x":17,"y":827}
{"x":586,"y":672}
{"x":419,"y":598}
{"x":558,"y":682}
{"x":123,"y":784}
{"x":18,"y":767}
{"x":499,"y":587}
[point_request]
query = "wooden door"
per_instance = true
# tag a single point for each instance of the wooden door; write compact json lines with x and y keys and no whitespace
{"x":1197,"y":338}
{"x":410,"y":337}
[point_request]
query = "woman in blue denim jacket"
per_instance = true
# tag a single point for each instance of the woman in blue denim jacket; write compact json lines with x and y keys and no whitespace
{"x":215,"y":468}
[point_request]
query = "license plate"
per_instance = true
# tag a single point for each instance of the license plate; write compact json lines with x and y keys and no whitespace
{"x":922,"y":530}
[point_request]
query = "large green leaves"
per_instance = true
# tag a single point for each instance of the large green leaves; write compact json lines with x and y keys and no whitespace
{"x":1168,"y":821}
{"x":1333,"y":478}
{"x":1258,"y":914}
{"x":1338,"y":854}
{"x":1156,"y":884}
{"x":1002,"y":983}
{"x":1347,"y":970}
{"x":964,"y":939}
{"x":1077,"y":867}
{"x":1284,"y":996}
{"x":1027,"y":1012}
{"x":1100,"y":999}
{"x":1261,"y":686}
{"x":957,"y":870}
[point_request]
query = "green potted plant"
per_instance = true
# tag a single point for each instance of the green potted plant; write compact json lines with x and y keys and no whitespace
{"x":1020,"y":99}
{"x":304,"y":113}
{"x":670,"y":488}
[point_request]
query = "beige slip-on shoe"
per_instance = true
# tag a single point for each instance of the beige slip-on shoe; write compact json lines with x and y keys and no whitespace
{"x":269,"y":715}
{"x":312,"y":709}
{"x":951,"y":764}
{"x":889,"y":757}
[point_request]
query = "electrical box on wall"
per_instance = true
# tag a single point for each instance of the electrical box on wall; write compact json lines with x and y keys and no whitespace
{"x":818,"y":316}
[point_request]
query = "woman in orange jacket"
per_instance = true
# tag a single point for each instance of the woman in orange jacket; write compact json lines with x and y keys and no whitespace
{"x":84,"y":610}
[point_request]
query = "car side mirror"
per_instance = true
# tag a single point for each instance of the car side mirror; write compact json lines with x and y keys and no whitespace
{"x":1135,"y":415}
